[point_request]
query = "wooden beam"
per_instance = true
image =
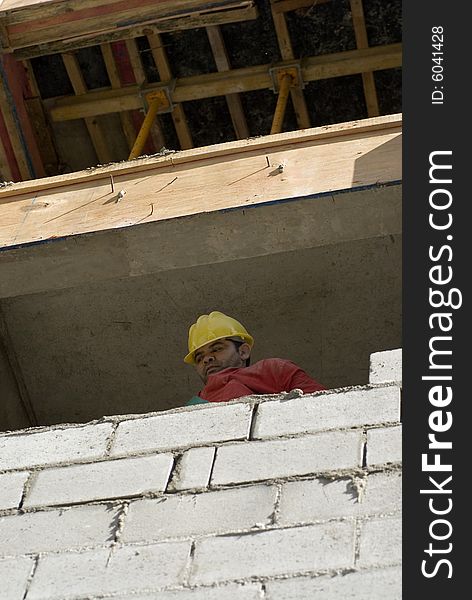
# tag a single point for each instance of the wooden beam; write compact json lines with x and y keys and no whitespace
{"x":43,"y":36}
{"x":157,"y":135}
{"x":165,"y":73}
{"x":370,"y":92}
{"x":220,"y":177}
{"x":229,"y":82}
{"x":265,"y":144}
{"x":233,"y":101}
{"x":8,"y":165}
{"x":286,"y":50}
{"x":127,"y":124}
{"x":283,"y":6}
{"x":95,"y":131}
{"x":13,"y":129}
{"x":40,"y":123}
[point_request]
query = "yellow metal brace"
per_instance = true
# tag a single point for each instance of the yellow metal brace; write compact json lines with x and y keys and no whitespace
{"x":286,"y":78}
{"x":157,"y":101}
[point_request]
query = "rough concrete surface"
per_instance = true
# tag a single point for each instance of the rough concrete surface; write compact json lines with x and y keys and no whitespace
{"x":54,"y":446}
{"x":104,"y":571}
{"x":109,"y":479}
{"x":11,"y":489}
{"x":174,"y":430}
{"x":14,"y":574}
{"x":334,"y":411}
{"x":193,"y":469}
{"x":386,"y":366}
{"x":384,"y":445}
{"x":384,"y":584}
{"x":57,"y":529}
{"x":211,"y":512}
{"x":274,"y":552}
{"x":255,"y":461}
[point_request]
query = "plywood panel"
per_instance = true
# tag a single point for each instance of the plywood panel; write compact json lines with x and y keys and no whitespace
{"x":237,"y":174}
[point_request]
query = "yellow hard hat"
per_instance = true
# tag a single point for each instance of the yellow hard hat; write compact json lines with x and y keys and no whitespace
{"x":212,"y":327}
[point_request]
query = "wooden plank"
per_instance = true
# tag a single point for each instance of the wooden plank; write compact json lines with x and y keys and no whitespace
{"x":220,"y":84}
{"x":12,"y":126}
{"x":64,"y":11}
{"x":204,"y":180}
{"x":43,"y":134}
{"x":370,"y":92}
{"x":165,"y":73}
{"x":157,"y":135}
{"x":127,"y":124}
{"x":101,"y":18}
{"x":95,"y":131}
{"x":8,"y":165}
{"x":286,"y":50}
{"x":283,"y":6}
{"x":226,"y":149}
{"x":233,"y":101}
{"x":165,"y":26}
{"x":40,"y":123}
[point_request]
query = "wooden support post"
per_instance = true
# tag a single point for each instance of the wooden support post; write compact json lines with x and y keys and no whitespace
{"x":222,"y":64}
{"x":20,"y":159}
{"x":286,"y":50}
{"x":368,"y":81}
{"x":156,"y":134}
{"x":115,"y":81}
{"x":40,"y":124}
{"x":162,"y":63}
{"x":95,"y":131}
{"x":283,"y":6}
{"x":8,"y":165}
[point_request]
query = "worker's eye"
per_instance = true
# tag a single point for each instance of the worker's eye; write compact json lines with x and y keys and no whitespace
{"x":198,"y":358}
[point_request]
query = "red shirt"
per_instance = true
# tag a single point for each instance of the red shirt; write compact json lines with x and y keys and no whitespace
{"x":268,"y":376}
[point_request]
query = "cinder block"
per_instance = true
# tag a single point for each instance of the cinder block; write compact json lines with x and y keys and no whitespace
{"x":210,"y":512}
{"x":193,"y":470}
{"x":206,"y":425}
{"x":382,"y":494}
{"x":53,"y":446}
{"x":98,"y":481}
{"x":384,"y":445}
{"x":381,"y":542}
{"x":386,"y":367}
{"x":247,"y":591}
{"x":56,"y":530}
{"x":276,"y":552}
{"x":14,"y":574}
{"x":362,"y":585}
{"x":312,"y":500}
{"x":331,"y":411}
{"x":11,"y":489}
{"x":254,"y":461}
{"x":101,"y":572}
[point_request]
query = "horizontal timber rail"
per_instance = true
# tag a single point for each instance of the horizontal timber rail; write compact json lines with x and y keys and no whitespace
{"x":222,"y":83}
{"x":264,"y":143}
{"x":236,"y":175}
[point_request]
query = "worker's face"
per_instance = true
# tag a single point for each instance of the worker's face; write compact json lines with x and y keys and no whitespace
{"x":220,"y":355}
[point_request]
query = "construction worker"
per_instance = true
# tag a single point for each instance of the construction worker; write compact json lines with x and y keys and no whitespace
{"x":219,"y":347}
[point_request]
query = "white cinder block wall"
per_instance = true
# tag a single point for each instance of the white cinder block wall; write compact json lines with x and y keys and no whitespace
{"x":276,"y":498}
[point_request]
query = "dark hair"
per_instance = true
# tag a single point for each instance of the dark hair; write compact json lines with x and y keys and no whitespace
{"x":237,"y":343}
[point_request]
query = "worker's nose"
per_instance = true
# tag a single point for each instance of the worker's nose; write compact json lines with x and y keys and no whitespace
{"x":208,"y":359}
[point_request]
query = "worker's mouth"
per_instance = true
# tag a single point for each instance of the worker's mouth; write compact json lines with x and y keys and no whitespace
{"x":212,"y":369}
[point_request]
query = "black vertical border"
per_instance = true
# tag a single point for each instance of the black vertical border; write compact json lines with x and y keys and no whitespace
{"x":427,"y":128}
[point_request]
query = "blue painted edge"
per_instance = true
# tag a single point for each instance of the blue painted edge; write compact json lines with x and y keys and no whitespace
{"x":376,"y":186}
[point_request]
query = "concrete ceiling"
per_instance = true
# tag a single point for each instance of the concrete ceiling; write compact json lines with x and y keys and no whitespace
{"x":114,"y":344}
